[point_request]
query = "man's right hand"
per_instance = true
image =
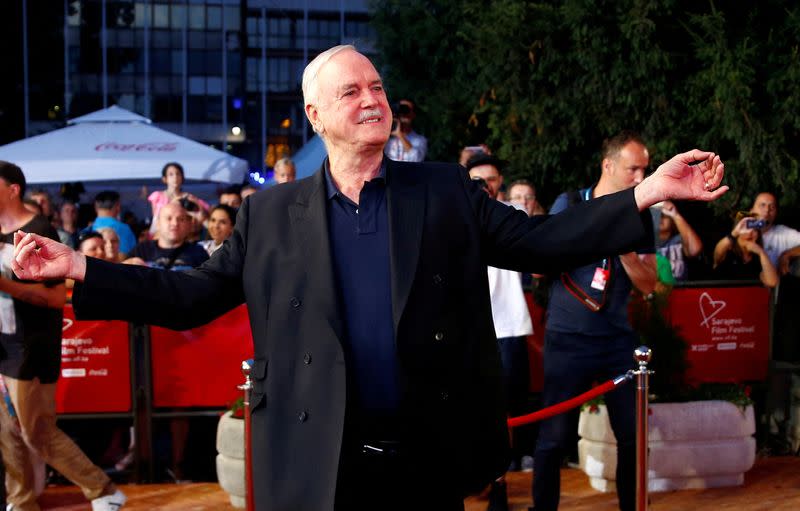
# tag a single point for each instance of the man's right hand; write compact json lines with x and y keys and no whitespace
{"x":40,"y":258}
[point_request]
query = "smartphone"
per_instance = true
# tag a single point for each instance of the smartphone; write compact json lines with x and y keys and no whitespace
{"x":754,"y":223}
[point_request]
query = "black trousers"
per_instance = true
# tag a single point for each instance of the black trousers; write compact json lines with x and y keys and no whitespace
{"x":571,"y":363}
{"x":387,"y":475}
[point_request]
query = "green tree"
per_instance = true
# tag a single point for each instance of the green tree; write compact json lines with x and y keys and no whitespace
{"x":543,"y":83}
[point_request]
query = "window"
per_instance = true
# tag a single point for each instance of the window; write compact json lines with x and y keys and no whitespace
{"x":232,"y":18}
{"x":161,"y":16}
{"x":197,"y":85}
{"x":197,"y":17}
{"x":160,"y":62}
{"x":213,"y":18}
{"x":177,"y":16}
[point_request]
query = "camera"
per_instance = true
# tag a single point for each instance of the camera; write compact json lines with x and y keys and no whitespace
{"x":189,"y":205}
{"x":481,"y":183}
{"x":399,"y":110}
{"x":753,"y":223}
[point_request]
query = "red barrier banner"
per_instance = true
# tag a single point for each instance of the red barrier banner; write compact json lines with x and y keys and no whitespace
{"x":201,"y":367}
{"x":95,"y":367}
{"x":727,"y":330}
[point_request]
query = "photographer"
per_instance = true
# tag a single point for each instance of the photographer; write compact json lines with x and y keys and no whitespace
{"x":404,"y":143}
{"x":741,"y":256}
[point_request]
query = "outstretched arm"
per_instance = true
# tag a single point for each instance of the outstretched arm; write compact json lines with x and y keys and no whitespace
{"x":694,"y":175}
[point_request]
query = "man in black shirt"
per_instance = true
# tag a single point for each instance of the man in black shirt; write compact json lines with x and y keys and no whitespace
{"x":171,"y":251}
{"x":30,"y":358}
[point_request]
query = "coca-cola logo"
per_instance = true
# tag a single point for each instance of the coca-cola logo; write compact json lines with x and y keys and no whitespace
{"x":147,"y":146}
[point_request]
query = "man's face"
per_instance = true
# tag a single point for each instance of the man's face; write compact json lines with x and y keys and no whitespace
{"x":230,"y":199}
{"x":628,"y":167}
{"x":8,"y":193}
{"x":351,"y":112}
{"x":491,"y":175}
{"x":523,"y":195}
{"x":285,"y":173}
{"x":93,"y":247}
{"x":173,"y":224}
{"x":43,"y":200}
{"x":765,"y":207}
{"x":69,"y":212}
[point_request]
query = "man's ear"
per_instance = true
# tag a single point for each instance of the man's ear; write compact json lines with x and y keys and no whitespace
{"x":607,"y":165}
{"x":313,"y":117}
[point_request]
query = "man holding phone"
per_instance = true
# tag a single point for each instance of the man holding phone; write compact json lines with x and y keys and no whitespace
{"x":404,"y":143}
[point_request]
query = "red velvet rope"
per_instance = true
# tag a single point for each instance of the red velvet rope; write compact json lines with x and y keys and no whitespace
{"x":568,"y":404}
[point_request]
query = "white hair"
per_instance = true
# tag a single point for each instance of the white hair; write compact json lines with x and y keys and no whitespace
{"x":310,"y":88}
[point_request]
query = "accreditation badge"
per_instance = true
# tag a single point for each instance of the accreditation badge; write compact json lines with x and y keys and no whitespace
{"x":600,"y":279}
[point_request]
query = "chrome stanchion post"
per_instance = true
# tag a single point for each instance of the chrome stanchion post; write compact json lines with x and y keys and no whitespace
{"x":642,"y":356}
{"x":248,"y":462}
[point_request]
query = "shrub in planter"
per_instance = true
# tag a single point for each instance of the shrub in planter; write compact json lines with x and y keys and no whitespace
{"x":700,"y":435}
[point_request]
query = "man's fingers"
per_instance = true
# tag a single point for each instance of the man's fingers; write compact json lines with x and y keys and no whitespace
{"x":695,"y":155}
{"x":25,"y":252}
{"x":715,"y":194}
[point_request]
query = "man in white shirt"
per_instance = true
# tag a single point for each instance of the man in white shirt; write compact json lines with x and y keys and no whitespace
{"x":512,"y":324}
{"x":404,"y":143}
{"x":781,"y":243}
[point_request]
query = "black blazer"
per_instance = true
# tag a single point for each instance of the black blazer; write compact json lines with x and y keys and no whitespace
{"x":444,"y":231}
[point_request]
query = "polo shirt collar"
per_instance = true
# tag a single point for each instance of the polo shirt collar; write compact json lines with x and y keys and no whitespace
{"x":330,"y":187}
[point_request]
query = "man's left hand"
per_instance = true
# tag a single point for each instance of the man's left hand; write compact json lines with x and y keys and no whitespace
{"x":694,"y":175}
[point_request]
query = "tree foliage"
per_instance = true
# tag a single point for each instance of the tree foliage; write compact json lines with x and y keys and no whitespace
{"x":543,"y":83}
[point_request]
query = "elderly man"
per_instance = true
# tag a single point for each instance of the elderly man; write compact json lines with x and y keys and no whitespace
{"x":376,"y":377}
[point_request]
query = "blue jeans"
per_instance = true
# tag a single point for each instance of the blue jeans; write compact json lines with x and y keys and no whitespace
{"x":572,"y":362}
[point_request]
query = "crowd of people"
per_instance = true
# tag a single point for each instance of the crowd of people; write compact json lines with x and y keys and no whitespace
{"x":382,"y":264}
{"x":185,"y":231}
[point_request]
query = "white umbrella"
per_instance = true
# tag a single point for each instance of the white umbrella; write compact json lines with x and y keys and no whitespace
{"x":115,"y":144}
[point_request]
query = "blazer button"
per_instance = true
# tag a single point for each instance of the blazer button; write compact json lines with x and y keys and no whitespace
{"x":294,"y":302}
{"x":302,"y":417}
{"x":437,"y":279}
{"x":307,"y":358}
{"x":438,"y":336}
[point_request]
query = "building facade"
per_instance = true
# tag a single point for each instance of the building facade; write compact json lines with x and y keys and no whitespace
{"x":222,"y":72}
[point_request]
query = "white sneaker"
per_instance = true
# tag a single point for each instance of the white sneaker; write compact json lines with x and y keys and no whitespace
{"x":112,"y":502}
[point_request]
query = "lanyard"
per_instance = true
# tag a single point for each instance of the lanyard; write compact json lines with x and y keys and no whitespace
{"x":582,"y":296}
{"x":576,"y":291}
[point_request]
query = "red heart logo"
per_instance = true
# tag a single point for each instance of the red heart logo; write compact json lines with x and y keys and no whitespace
{"x":709,"y":308}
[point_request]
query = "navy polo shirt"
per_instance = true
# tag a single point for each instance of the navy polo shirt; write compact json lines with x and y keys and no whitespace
{"x":359,"y":236}
{"x":567,"y":314}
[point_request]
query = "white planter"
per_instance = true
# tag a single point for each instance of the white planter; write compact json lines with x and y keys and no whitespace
{"x":701,"y":444}
{"x":230,"y":460}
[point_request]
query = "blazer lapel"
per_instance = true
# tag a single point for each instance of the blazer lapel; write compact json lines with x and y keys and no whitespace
{"x":309,"y":218}
{"x":406,"y":205}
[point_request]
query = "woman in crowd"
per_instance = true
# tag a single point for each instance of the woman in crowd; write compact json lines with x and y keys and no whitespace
{"x":220,"y":227}
{"x":743,"y":257}
{"x":111,"y":241}
{"x":172,"y":176}
{"x":91,"y":243}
